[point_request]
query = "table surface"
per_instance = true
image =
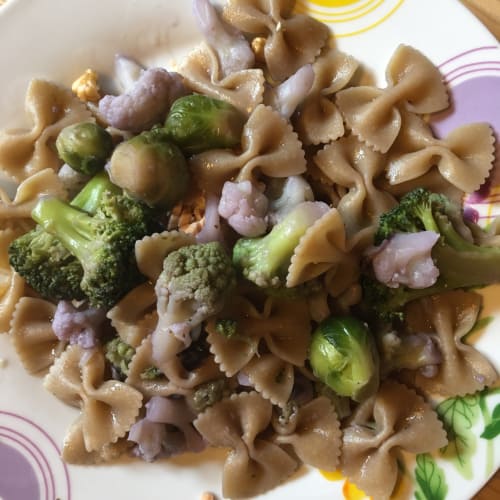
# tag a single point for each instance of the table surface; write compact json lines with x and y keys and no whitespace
{"x":488,"y":11}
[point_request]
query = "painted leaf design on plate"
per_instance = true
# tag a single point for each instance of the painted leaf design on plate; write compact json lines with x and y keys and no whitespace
{"x":492,"y":430}
{"x":459,"y":415}
{"x":430,"y":479}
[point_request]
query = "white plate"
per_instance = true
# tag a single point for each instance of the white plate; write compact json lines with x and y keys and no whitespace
{"x":58,"y":39}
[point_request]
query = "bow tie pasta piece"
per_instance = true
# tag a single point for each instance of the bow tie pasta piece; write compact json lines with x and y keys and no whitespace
{"x":464,"y":158}
{"x":135,"y":316}
{"x":171,"y":377}
{"x":271,"y":377}
{"x":291,"y":40}
{"x":150,"y":251}
{"x":394,"y":419}
{"x":319,"y":121}
{"x":32,"y":335}
{"x":50,"y":108}
{"x":268,"y":145}
{"x":353,"y":167}
{"x":17,"y":212}
{"x":244,"y":89}
{"x":316,"y":437}
{"x":413,"y":82}
{"x":75,"y":452}
{"x":450,"y":316}
{"x":322,"y":246}
{"x":284,"y":327}
{"x":12,"y":286}
{"x":254,"y":465}
{"x":108,"y":407}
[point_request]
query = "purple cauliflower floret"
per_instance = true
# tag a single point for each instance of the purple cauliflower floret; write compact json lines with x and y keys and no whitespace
{"x":77,"y":326}
{"x":146,"y":103}
{"x":233,"y":50}
{"x":244,"y":207}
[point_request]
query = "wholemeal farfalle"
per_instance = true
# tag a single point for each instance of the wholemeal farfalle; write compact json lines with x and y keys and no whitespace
{"x":32,"y":336}
{"x":150,"y":251}
{"x":291,"y":40}
{"x":268,"y":145}
{"x":316,"y":437}
{"x":450,"y":316}
{"x":134,"y":317}
{"x":322,"y":246}
{"x":318,"y":120}
{"x":352,"y":167}
{"x":12,"y":286}
{"x":271,"y":377}
{"x":394,"y":419}
{"x":254,"y":464}
{"x":464,"y":158}
{"x":243,"y":89}
{"x":108,"y":407}
{"x":50,"y":108}
{"x":372,"y":113}
{"x":17,"y":212}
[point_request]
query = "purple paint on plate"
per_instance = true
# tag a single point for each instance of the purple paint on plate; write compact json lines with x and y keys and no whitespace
{"x":18,"y":480}
{"x":474,"y":100}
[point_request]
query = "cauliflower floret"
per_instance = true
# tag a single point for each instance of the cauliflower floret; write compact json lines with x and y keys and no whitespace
{"x":194,"y":284}
{"x":146,"y":103}
{"x":245,"y":207}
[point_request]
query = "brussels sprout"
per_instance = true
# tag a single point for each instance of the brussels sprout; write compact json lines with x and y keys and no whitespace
{"x":197,"y":123}
{"x":343,"y":356}
{"x":84,"y":146}
{"x":150,"y":169}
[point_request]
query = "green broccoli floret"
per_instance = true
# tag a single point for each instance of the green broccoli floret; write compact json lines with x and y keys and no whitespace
{"x":194,"y":284}
{"x":461,"y":263}
{"x":265,"y":260}
{"x":208,"y":394}
{"x":226,"y":327}
{"x":104,"y":247}
{"x":44,"y":262}
{"x":119,"y":354}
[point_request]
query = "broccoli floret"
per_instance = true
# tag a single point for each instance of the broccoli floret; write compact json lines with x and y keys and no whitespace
{"x":119,"y":354}
{"x":194,"y":284}
{"x":461,"y":263}
{"x":104,"y":247}
{"x":208,"y":394}
{"x":226,"y":327}
{"x":47,"y":266}
{"x":265,"y":260}
{"x":44,"y":262}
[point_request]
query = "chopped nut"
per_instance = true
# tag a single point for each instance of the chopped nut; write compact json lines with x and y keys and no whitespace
{"x":188,"y":215}
{"x":86,"y":87}
{"x":207,"y":496}
{"x":258,"y":44}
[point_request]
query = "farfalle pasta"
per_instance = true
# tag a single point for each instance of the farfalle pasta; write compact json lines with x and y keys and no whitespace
{"x":243,"y":89}
{"x":254,"y":464}
{"x":108,"y":407}
{"x":395,"y":419}
{"x":215,"y":339}
{"x":450,"y":317}
{"x":464,"y":158}
{"x":269,"y":146}
{"x":50,"y":108}
{"x":32,"y":335}
{"x":17,"y":212}
{"x":319,"y":121}
{"x":291,"y":40}
{"x":373,"y":115}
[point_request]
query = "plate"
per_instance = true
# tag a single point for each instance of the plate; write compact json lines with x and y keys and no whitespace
{"x":58,"y":39}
